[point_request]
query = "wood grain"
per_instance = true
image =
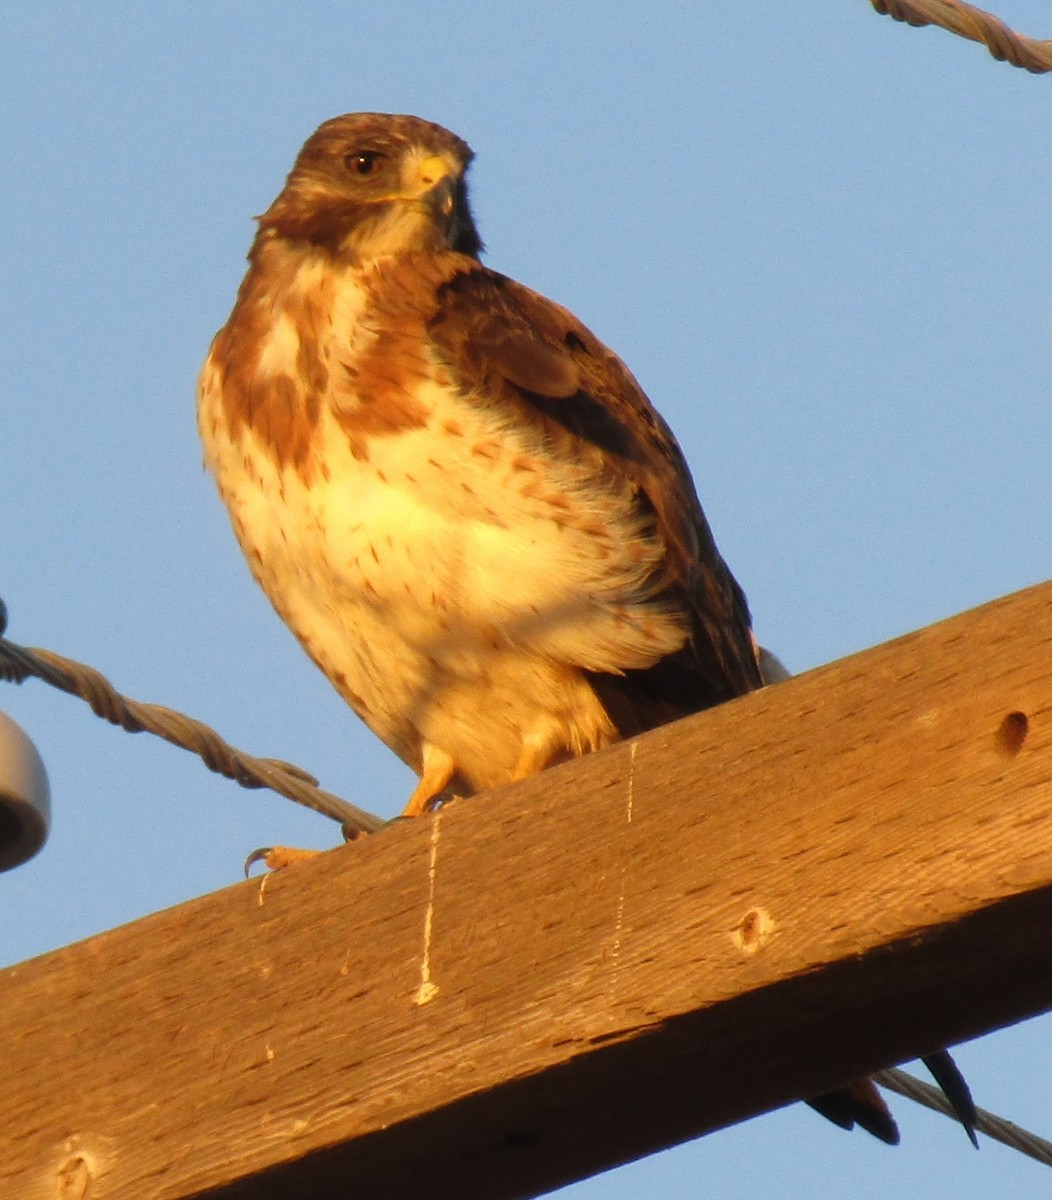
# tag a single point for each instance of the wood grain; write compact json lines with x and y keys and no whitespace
{"x":740,"y":909}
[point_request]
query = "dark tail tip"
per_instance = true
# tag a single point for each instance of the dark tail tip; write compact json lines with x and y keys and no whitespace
{"x":859,"y":1104}
{"x":947,"y":1075}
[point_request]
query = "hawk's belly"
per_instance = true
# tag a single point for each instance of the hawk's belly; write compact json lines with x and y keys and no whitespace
{"x":454,"y":584}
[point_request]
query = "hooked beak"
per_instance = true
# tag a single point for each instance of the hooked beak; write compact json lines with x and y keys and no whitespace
{"x":442,"y":199}
{"x":447,"y":201}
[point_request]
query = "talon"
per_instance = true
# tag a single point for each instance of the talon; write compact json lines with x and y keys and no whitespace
{"x":256,"y":856}
{"x":424,"y":807}
{"x":277,"y":858}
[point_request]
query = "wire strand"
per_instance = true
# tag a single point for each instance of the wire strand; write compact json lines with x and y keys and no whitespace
{"x":975,"y":23}
{"x":1005,"y":1132}
{"x":18,"y":663}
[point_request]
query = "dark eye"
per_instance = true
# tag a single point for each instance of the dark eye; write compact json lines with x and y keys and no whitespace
{"x":362,"y":162}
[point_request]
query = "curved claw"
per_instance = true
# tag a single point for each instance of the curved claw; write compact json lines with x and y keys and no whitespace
{"x":256,"y":856}
{"x":277,"y":858}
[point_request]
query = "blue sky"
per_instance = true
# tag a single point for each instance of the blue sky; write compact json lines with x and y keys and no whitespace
{"x":819,"y":238}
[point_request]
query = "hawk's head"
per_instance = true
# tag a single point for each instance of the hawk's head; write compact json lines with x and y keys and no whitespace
{"x":372,"y":184}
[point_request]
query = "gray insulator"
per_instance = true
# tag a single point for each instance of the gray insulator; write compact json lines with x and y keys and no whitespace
{"x":25,"y":798}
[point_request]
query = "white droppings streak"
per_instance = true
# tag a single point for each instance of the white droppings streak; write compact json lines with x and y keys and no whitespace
{"x":631,"y":778}
{"x":428,"y":989}
{"x":628,"y":821}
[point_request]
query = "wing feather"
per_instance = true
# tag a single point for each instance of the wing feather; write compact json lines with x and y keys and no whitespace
{"x":509,"y":346}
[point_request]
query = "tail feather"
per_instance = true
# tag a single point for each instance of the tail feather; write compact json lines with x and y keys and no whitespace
{"x":947,"y":1075}
{"x":860,"y":1103}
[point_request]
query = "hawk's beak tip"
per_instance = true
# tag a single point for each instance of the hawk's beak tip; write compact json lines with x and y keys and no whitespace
{"x":442,"y":197}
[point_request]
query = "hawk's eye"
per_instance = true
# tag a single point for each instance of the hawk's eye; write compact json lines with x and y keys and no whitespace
{"x":362,"y":162}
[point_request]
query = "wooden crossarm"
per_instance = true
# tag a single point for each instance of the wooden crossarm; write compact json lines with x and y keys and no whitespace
{"x":744,"y":908}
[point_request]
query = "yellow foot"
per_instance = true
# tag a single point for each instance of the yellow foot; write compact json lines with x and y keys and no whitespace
{"x":432,"y":804}
{"x":277,"y":858}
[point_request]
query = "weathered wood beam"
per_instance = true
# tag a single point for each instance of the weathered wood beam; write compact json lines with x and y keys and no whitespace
{"x":746,"y":907}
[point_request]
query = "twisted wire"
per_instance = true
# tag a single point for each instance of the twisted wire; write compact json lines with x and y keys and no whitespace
{"x":18,"y":663}
{"x":975,"y":23}
{"x":1005,"y":1132}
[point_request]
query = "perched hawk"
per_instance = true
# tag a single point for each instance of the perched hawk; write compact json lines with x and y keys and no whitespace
{"x":459,"y":500}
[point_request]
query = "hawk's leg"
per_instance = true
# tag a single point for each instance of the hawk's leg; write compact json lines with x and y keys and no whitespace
{"x":438,"y":769}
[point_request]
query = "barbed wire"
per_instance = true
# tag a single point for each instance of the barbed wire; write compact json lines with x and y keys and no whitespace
{"x":18,"y":663}
{"x":975,"y":23}
{"x":1005,"y":1132}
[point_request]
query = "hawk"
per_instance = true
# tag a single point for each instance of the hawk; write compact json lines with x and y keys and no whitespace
{"x":458,"y":499}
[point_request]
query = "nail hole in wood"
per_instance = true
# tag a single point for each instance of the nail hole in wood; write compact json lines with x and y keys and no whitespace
{"x":74,"y":1178}
{"x":753,"y":931}
{"x":1011,"y":733}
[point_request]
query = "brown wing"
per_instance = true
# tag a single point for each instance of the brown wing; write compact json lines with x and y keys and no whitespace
{"x":514,"y":348}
